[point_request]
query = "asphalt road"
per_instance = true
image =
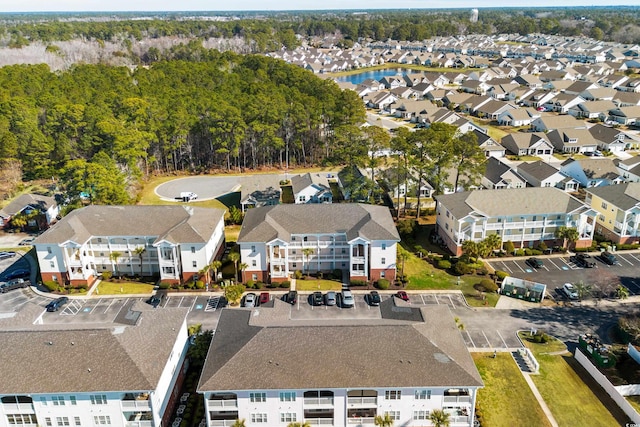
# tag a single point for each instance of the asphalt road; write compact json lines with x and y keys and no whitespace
{"x":206,"y":187}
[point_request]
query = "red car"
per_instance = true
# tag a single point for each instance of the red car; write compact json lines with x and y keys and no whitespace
{"x":402,"y":295}
{"x":264,"y":298}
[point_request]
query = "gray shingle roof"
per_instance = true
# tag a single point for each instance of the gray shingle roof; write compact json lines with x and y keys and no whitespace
{"x":89,"y":360}
{"x":176,"y":224}
{"x":355,"y":219}
{"x":624,"y":196}
{"x":508,"y":202}
{"x":17,"y":205}
{"x":245,"y":357}
{"x":539,"y":169}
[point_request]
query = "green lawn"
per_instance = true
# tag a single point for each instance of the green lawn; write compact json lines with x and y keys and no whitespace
{"x":318,"y":285}
{"x":506,"y":399}
{"x":524,"y":158}
{"x":231,"y":233}
{"x":570,"y":400}
{"x":112,"y":288}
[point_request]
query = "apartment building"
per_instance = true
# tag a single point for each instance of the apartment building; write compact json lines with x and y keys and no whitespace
{"x":618,"y":210}
{"x":524,"y":216}
{"x":123,"y":376}
{"x":358,"y":239}
{"x":174,"y":242}
{"x":271,"y":371}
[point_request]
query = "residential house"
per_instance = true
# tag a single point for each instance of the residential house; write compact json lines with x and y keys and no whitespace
{"x":312,"y":188}
{"x":380,"y":100}
{"x":490,"y":146}
{"x":578,"y":87}
{"x":260,"y":190}
{"x":618,"y":209}
{"x":593,"y":172}
{"x":412,"y":109}
{"x":571,"y":140}
{"x":563,"y":102}
{"x":493,"y":109}
{"x":517,"y":117}
{"x":542,"y":174}
{"x":627,"y":99}
{"x":527,"y":144}
{"x":592,"y":110}
{"x":529,"y":80}
{"x":403,"y":92}
{"x":524,"y":216}
{"x":549,"y":123}
{"x":391,"y":82}
{"x":610,"y":138}
{"x":626,"y":115}
{"x":268,"y":197}
{"x":358,"y":239}
{"x":629,"y":169}
{"x":437,"y":369}
{"x":127,"y":375}
{"x":599,"y":94}
{"x":538,"y":98}
{"x":499,"y":175}
{"x":39,"y":211}
{"x":176,"y":242}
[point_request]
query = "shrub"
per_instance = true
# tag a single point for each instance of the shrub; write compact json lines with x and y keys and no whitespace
{"x":358,"y":283}
{"x":527,"y":252}
{"x":482,"y":271}
{"x":444,"y":264}
{"x":501,"y":274}
{"x":298,"y":274}
{"x":488,"y":285}
{"x":628,"y":247}
{"x":337,"y":274}
{"x":272,"y":285}
{"x":51,"y":285}
{"x":164,"y":285}
{"x":382,"y":284}
{"x":508,"y":247}
{"x":106,"y":275}
{"x":519,"y":252}
{"x":199,"y":284}
{"x":259,"y":285}
{"x":320,"y":275}
{"x":284,"y":284}
{"x":541,"y":338}
{"x":250,"y":283}
{"x":543,"y":246}
{"x":462,"y":268}
{"x":536,"y":252}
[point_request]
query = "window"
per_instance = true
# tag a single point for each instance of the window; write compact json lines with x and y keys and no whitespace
{"x":52,"y":264}
{"x":420,"y":415}
{"x":446,"y":226}
{"x":288,"y":396}
{"x":423,"y":394}
{"x":259,"y":418}
{"x":392,"y":394}
{"x":384,"y":246}
{"x":168,"y":270}
{"x":258,"y":397}
{"x":195,"y":264}
{"x":99,"y":240}
{"x":47,"y":422}
{"x":193,"y":249}
{"x":62,"y":421}
{"x":448,"y":214}
{"x":57,"y":400}
{"x":98,"y":399}
{"x":382,"y":274}
{"x":21,"y":419}
{"x":102,"y":420}
{"x":288,"y":417}
{"x":383,"y":260}
{"x":253,"y":249}
{"x":76,"y":421}
{"x":48,"y":249}
{"x":253,"y":263}
{"x":254,"y":277}
{"x":43,"y":401}
{"x":294,"y":265}
{"x":604,"y":205}
{"x":394,"y":415}
{"x":305,"y":238}
{"x":73,"y":401}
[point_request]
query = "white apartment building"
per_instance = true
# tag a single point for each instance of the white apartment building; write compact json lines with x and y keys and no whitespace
{"x":174,"y":242}
{"x":524,"y":216}
{"x":270,"y":371}
{"x":356,"y":238}
{"x":119,"y":377}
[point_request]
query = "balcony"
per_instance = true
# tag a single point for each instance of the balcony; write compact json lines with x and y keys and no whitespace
{"x":318,"y":401}
{"x":139,"y":423}
{"x":457,"y":399}
{"x":18,"y":408}
{"x":459,"y":419}
{"x":360,"y":421}
{"x":362,"y":401}
{"x":222,"y":423}
{"x":138,"y":405}
{"x":319,"y":421}
{"x":223,"y":404}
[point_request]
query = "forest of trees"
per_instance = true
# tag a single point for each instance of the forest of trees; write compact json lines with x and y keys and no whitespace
{"x":103,"y":128}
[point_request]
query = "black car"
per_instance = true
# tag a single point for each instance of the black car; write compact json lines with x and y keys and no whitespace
{"x":291,"y":297}
{"x":317,"y":298}
{"x":153,"y":301}
{"x":608,"y":258}
{"x":374,"y":298}
{"x":584,"y":260}
{"x":56,"y":304}
{"x":535,"y":262}
{"x":18,"y":274}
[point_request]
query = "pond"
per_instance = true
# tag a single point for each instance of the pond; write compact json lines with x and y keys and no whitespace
{"x":372,"y":74}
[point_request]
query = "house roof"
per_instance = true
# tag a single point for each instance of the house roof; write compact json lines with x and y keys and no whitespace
{"x":353,"y":219}
{"x":600,"y":168}
{"x":523,"y":139}
{"x":496,"y":172}
{"x":624,"y":196}
{"x":509,"y":202}
{"x":298,"y":356}
{"x":21,"y":202}
{"x":606,"y":134}
{"x":300,"y":182}
{"x":91,"y":359}
{"x":176,"y":224}
{"x":564,"y":137}
{"x":538,"y":170}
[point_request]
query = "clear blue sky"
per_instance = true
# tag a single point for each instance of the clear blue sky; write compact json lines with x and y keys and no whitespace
{"x":208,"y":5}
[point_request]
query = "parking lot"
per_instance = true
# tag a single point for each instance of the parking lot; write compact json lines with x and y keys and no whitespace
{"x":559,"y":270}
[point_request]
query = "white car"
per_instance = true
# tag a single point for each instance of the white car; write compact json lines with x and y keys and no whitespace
{"x":569,"y":291}
{"x":188,"y":196}
{"x":347,"y":299}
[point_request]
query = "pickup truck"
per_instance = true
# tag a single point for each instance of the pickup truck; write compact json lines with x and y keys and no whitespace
{"x":14,"y":284}
{"x":584,"y":260}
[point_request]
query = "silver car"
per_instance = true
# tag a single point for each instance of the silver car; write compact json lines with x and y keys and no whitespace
{"x":330,"y":298}
{"x":347,"y":299}
{"x":250,"y":300}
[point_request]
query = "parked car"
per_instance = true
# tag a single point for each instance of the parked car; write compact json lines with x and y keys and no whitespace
{"x":264,"y":298}
{"x":13,"y":284}
{"x":291,"y":297}
{"x":597,"y":153}
{"x":250,"y":300}
{"x":330,"y":298}
{"x":317,"y":298}
{"x":188,"y":196}
{"x":402,"y":295}
{"x":535,"y":262}
{"x":57,"y":304}
{"x":18,"y":274}
{"x":583,"y":260}
{"x":608,"y":258}
{"x":154,"y":301}
{"x":569,"y":291}
{"x":6,"y":255}
{"x":26,"y":242}
{"x":374,"y":298}
{"x":347,"y":299}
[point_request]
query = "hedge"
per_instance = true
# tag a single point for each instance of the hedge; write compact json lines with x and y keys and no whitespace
{"x":444,"y":264}
{"x":382,"y":284}
{"x":501,"y":274}
{"x":358,"y":283}
{"x":51,"y":285}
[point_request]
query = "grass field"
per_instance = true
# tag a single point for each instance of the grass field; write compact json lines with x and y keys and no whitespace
{"x":506,"y":399}
{"x":571,"y":401}
{"x":317,"y":285}
{"x":112,"y":288}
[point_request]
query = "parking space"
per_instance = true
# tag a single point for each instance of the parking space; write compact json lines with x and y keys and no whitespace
{"x":490,"y":339}
{"x":303,"y":310}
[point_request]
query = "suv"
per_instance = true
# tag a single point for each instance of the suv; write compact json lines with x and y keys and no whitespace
{"x":584,"y":260}
{"x":154,"y":301}
{"x":250,"y":300}
{"x":56,"y":304}
{"x":608,"y":258}
{"x":291,"y":297}
{"x":317,"y":298}
{"x":535,"y":262}
{"x":18,"y":274}
{"x":374,"y":298}
{"x":569,"y":291}
{"x":5,"y":255}
{"x":13,"y":284}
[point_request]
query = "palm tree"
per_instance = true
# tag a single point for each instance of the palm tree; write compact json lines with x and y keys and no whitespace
{"x":235,"y":257}
{"x":582,"y":290}
{"x":567,"y":234}
{"x":470,"y":248}
{"x":383,"y":421}
{"x":493,"y":242}
{"x":215,"y":265}
{"x":307,"y":252}
{"x":242,"y":267}
{"x":439,"y":418}
{"x":403,"y":256}
{"x":239,"y":423}
{"x":622,"y":292}
{"x":114,"y":256}
{"x":139,"y":252}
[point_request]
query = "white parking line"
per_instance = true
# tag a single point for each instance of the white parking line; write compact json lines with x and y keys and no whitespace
{"x":452,"y":304}
{"x":485,"y":337}
{"x":109,"y":306}
{"x":17,"y":296}
{"x":435,"y":297}
{"x":470,"y":339}
{"x":521,"y":269}
{"x":422,"y":298}
{"x":505,"y":266}
{"x":503,"y":341}
{"x":570,"y":264}
{"x":554,"y":264}
{"x":634,"y":257}
{"x":193,"y":303}
{"x":626,"y":260}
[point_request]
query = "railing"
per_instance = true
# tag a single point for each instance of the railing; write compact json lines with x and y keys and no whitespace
{"x":222,"y":423}
{"x":146,"y":423}
{"x":362,"y":400}
{"x":459,"y":419}
{"x":319,"y":421}
{"x":144,"y":405}
{"x":22,"y":408}
{"x":457,"y":399}
{"x":318,"y":400}
{"x":360,"y":421}
{"x":231,"y":403}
